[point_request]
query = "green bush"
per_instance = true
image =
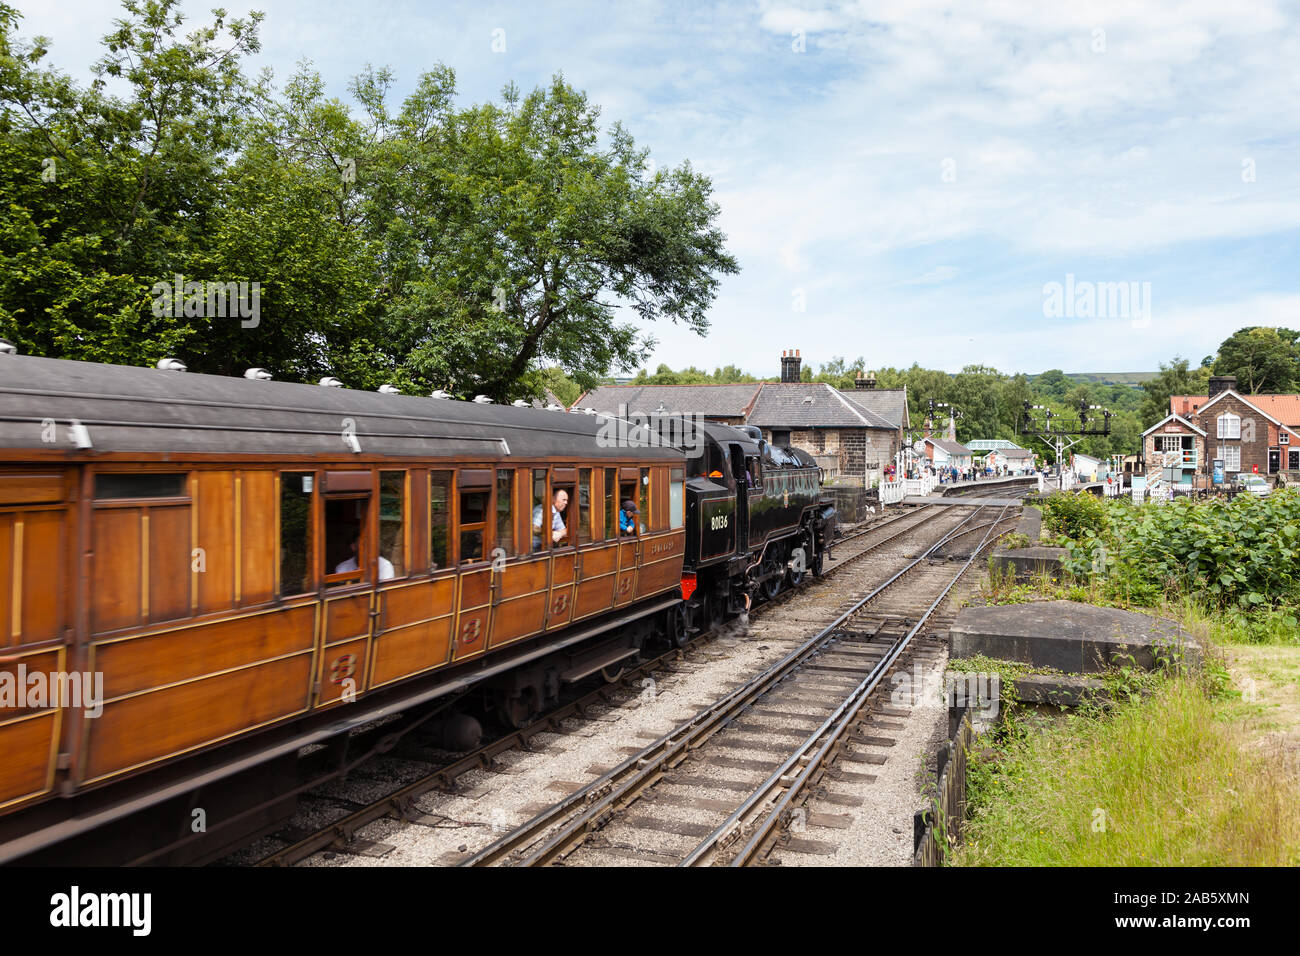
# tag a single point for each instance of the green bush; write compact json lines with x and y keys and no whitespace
{"x":1074,"y":514}
{"x":1239,"y":557}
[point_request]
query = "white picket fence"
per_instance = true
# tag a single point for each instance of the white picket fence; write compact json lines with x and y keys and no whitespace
{"x":891,"y":492}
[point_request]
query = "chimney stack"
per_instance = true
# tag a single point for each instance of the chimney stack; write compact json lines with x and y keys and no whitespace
{"x":1221,"y":383}
{"x":790,"y":362}
{"x":861,"y":384}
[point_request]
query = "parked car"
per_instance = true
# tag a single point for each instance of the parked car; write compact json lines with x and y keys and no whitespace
{"x":1254,"y":484}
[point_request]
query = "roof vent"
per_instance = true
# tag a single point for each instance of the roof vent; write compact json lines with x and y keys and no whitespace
{"x":171,"y":365}
{"x":482,"y":400}
{"x":7,"y":347}
{"x":520,"y":403}
{"x":553,"y":407}
{"x":442,"y":394}
{"x":258,"y":374}
{"x":807,"y":399}
{"x":585,"y":411}
{"x":387,"y":389}
{"x":329,"y":381}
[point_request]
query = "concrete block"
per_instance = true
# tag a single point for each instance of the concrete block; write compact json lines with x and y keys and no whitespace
{"x":1026,"y":563}
{"x":1070,"y":637}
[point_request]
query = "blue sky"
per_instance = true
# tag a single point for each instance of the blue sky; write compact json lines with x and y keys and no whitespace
{"x":912,"y":173}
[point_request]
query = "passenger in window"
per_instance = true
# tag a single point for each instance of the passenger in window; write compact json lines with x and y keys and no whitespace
{"x":627,"y":517}
{"x":385,"y":566}
{"x":559,"y":528}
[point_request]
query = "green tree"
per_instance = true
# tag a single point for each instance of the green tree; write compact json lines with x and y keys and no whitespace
{"x":1263,"y":359}
{"x":1176,"y":378}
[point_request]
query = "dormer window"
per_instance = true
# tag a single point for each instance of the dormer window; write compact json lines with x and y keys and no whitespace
{"x":1229,"y":426}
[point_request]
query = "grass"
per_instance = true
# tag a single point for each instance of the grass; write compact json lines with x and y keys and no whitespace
{"x":1191,"y":769}
{"x":1168,"y":779}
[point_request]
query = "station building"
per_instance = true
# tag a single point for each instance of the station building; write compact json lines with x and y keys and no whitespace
{"x":1251,"y":434}
{"x":853,"y":434}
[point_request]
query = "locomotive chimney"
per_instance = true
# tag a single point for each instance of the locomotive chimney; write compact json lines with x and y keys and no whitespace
{"x":790,"y":362}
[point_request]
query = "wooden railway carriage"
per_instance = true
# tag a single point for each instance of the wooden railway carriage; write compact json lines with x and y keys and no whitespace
{"x":254,"y":566}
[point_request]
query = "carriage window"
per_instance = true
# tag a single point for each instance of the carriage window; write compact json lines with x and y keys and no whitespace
{"x":475,"y":505}
{"x":643,"y":500}
{"x":346,"y":559}
{"x":676,"y":502}
{"x":611,"y":503}
{"x":137,"y":485}
{"x":539,"y":507}
{"x":505,"y":510}
{"x":584,"y":505}
{"x":392,"y":523}
{"x":439,"y":515}
{"x":295,"y":532}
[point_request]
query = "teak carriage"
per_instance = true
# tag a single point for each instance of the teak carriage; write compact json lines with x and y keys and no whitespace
{"x":253,"y":566}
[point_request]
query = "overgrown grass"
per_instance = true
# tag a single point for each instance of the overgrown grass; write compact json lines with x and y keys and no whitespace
{"x":1160,"y":780}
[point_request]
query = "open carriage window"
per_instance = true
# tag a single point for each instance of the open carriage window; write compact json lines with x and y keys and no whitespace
{"x":346,"y":557}
{"x":475,"y":494}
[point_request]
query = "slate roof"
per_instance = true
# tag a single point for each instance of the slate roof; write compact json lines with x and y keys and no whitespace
{"x":810,"y":405}
{"x":889,"y":403}
{"x":722,"y":401}
{"x":765,"y":404}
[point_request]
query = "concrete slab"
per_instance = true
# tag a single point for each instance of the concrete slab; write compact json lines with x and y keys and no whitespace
{"x":1070,"y":637}
{"x":1023,"y":564}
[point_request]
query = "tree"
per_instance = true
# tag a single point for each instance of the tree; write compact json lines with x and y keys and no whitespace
{"x":522,"y":237}
{"x":1176,"y":378}
{"x":1264,"y":360}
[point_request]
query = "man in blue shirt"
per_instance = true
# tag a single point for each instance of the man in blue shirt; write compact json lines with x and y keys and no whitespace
{"x":559,"y":530}
{"x":627,"y":517}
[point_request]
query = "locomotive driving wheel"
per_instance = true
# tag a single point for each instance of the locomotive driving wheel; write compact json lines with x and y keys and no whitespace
{"x":774,"y":572}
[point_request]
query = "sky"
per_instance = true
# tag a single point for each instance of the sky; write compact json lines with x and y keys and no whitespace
{"x":1091,"y":186}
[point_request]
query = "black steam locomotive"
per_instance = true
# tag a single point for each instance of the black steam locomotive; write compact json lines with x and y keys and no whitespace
{"x":756,"y":523}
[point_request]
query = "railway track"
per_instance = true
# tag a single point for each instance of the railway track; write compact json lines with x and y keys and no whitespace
{"x":826,"y":682}
{"x":340,"y":834}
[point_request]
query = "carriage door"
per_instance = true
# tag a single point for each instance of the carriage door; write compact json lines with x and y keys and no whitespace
{"x":742,"y":495}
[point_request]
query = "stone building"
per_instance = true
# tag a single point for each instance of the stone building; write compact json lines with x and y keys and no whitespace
{"x":853,"y":434}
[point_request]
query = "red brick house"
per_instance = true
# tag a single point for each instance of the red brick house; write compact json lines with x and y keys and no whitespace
{"x":1251,"y":434}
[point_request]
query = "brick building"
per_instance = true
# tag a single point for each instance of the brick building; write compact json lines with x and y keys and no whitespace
{"x":853,"y":434}
{"x":1249,"y":433}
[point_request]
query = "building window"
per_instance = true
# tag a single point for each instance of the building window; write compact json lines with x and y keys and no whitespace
{"x":1229,"y":426}
{"x":1231,"y":456}
{"x":1168,"y":443}
{"x":1284,"y":439}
